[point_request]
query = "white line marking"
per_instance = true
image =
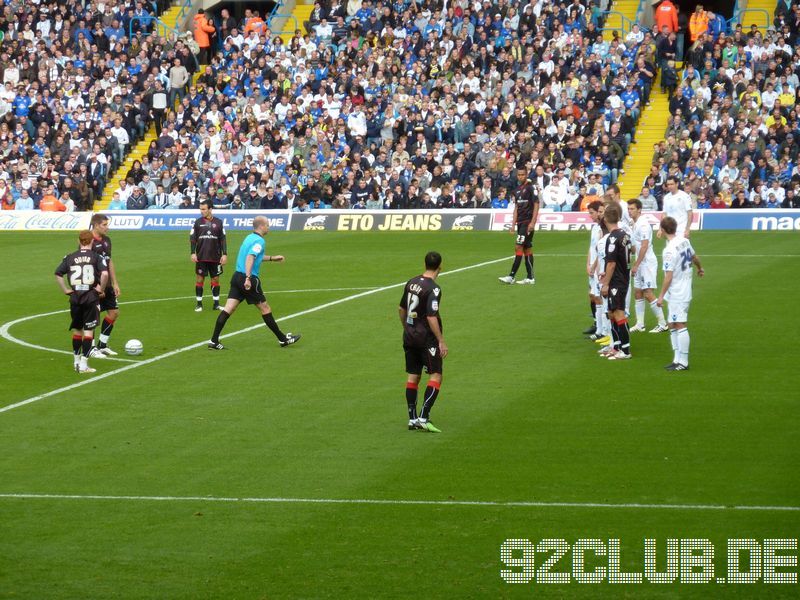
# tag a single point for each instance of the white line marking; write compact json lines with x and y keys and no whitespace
{"x":5,"y":334}
{"x":4,"y":330}
{"x":390,"y":502}
{"x":703,"y":255}
{"x":148,"y":361}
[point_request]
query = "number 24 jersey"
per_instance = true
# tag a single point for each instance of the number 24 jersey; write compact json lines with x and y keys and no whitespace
{"x":677,"y":257}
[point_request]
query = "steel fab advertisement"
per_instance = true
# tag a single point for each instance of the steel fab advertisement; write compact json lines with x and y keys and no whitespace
{"x":456,"y":220}
{"x":574,"y":221}
{"x":170,"y":220}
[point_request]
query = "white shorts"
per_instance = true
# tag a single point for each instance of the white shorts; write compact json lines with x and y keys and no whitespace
{"x":645,"y":278}
{"x":677,"y":312}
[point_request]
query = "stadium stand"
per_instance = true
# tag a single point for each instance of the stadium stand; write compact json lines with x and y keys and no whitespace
{"x":428,"y":108}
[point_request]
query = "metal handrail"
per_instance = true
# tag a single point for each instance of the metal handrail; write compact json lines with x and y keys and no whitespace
{"x":275,"y":8}
{"x":640,"y":10}
{"x":737,"y":16}
{"x":283,"y":16}
{"x":161,"y":28}
{"x":184,"y":11}
{"x":623,"y":21}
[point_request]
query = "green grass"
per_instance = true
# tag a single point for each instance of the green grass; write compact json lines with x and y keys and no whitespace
{"x":529,"y":414}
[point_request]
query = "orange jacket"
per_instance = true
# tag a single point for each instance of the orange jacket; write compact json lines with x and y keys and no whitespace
{"x":698,"y":24}
{"x":256,"y":24}
{"x":51,"y":203}
{"x":202,"y":29}
{"x":667,"y":16}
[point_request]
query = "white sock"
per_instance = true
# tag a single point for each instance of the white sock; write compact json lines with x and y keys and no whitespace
{"x":658,"y":312}
{"x":103,"y":339}
{"x":640,"y":312}
{"x":199,"y":299}
{"x":84,"y":362}
{"x":76,"y":359}
{"x":683,"y":346}
{"x":673,"y":338}
{"x":598,"y":318}
{"x":606,"y":322}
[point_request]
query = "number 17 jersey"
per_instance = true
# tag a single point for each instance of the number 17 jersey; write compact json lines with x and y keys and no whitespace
{"x":421,"y":297}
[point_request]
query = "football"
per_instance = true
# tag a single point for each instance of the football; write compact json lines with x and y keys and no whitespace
{"x":133,"y":347}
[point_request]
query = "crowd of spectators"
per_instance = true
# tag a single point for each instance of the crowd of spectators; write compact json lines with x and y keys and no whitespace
{"x":733,"y":138}
{"x":401,"y":105}
{"x":386,"y":105}
{"x":76,"y":84}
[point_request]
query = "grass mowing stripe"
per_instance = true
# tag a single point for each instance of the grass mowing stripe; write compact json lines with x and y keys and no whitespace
{"x":395,"y":502}
{"x":228,"y":335}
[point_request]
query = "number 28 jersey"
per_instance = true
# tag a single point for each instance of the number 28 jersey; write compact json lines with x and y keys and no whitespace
{"x":421,"y":297}
{"x":677,"y":257}
{"x":85,"y":268}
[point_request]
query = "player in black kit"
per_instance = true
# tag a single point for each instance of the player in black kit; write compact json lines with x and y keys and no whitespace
{"x":88,"y":277}
{"x":209,"y":252}
{"x":108,"y":302}
{"x":616,"y":281}
{"x":526,"y":212}
{"x":423,"y":340}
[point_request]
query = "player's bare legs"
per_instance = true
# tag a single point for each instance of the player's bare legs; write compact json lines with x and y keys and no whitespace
{"x":230,"y":307}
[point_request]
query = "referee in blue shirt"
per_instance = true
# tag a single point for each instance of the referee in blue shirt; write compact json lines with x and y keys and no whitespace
{"x":245,"y":285}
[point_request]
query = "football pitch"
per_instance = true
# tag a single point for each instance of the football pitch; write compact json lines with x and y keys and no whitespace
{"x":268,"y":472}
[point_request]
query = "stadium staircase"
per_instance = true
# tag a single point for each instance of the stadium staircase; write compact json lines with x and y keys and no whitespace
{"x":170,"y":19}
{"x":752,"y":13}
{"x":650,"y":130}
{"x":286,"y":23}
{"x":620,"y":18}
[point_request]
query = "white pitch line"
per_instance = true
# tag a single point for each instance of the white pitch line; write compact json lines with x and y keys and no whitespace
{"x":4,"y":332}
{"x":391,"y":502}
{"x":5,"y":328}
{"x":703,"y":255}
{"x":149,"y":361}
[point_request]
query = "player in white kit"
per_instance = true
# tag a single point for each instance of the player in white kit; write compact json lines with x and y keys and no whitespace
{"x":644,"y":270}
{"x":595,"y":233}
{"x":678,"y":205}
{"x":676,"y":289}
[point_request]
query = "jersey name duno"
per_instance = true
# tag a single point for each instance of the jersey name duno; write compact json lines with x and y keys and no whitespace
{"x":84,"y":269}
{"x":420,"y":300}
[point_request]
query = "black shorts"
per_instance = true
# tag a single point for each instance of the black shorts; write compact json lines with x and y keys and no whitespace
{"x":524,"y":238}
{"x":109,"y":301}
{"x":427,"y":356}
{"x":255,"y":295}
{"x":617,"y":298}
{"x":84,"y":316}
{"x":208,"y":269}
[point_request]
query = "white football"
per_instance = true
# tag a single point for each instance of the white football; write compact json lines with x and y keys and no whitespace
{"x":133,"y":347}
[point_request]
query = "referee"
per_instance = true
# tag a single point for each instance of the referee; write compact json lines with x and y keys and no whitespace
{"x":245,"y":285}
